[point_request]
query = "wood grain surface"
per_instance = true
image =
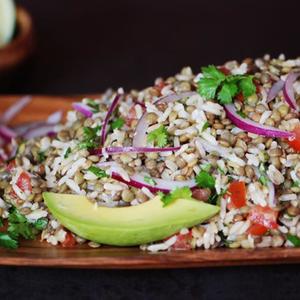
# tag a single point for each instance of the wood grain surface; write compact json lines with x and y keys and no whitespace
{"x":35,"y":253}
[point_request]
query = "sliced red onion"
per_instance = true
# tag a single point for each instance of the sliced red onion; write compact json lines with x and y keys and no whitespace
{"x":174,"y":97}
{"x":275,"y":89}
{"x":140,"y":135}
{"x":119,"y":150}
{"x":6,"y":133}
{"x":253,"y":127}
{"x":83,"y":109}
{"x":42,"y":130}
{"x":108,"y":115}
{"x":164,"y":186}
{"x":14,"y":109}
{"x":55,"y":118}
{"x":288,"y":90}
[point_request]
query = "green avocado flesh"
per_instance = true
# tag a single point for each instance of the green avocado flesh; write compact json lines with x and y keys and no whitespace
{"x":126,"y":226}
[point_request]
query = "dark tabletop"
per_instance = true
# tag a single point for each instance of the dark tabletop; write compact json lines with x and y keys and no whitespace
{"x":85,"y":46}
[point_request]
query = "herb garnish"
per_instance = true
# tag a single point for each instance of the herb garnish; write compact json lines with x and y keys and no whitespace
{"x":205,"y":126}
{"x":178,"y":193}
{"x":117,"y":123}
{"x":93,"y":104}
{"x":68,"y":152}
{"x":294,"y":240}
{"x":89,"y":134}
{"x":18,"y":226}
{"x":205,"y":180}
{"x":41,"y":156}
{"x":98,"y":172}
{"x":159,"y":136}
{"x":215,"y":84}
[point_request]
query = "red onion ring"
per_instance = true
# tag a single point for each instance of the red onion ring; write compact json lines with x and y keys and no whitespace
{"x":108,"y":115}
{"x":253,"y":127}
{"x":288,"y":90}
{"x":119,"y":150}
{"x":275,"y":89}
{"x":83,"y":109}
{"x":6,"y":133}
{"x":164,"y":186}
{"x":41,"y":130}
{"x":14,"y":109}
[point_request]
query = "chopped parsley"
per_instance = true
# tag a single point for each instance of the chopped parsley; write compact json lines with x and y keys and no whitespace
{"x":98,"y":172}
{"x":93,"y":104}
{"x":215,"y":198}
{"x":18,"y":226}
{"x":117,"y":123}
{"x":216,"y":85}
{"x":263,"y":180}
{"x":294,"y":240}
{"x":89,"y":137}
{"x":159,"y":136}
{"x":150,"y":180}
{"x":68,"y":152}
{"x":296,"y":184}
{"x":224,"y":240}
{"x":41,"y":156}
{"x":205,"y":126}
{"x":205,"y":180}
{"x":206,"y":167}
{"x":178,"y":193}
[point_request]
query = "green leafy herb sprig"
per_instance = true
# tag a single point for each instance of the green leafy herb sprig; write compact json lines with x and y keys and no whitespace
{"x":216,"y":85}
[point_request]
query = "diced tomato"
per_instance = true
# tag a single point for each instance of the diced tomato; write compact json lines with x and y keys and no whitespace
{"x":183,"y":242}
{"x":237,"y":193}
{"x":24,"y":182}
{"x":257,"y":229}
{"x":11,"y":166}
{"x":264,"y":216}
{"x":224,"y":70}
{"x":240,"y":97}
{"x":69,"y":241}
{"x":294,"y":142}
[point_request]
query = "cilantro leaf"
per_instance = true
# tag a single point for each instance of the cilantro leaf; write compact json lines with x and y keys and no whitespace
{"x":212,"y":72}
{"x":205,"y":180}
{"x":89,"y":137}
{"x":150,"y":180}
{"x":68,"y":152}
{"x":205,"y":126}
{"x":7,"y":241}
{"x":92,"y":103}
{"x":178,"y":193}
{"x":41,"y":156}
{"x":98,"y":172}
{"x":159,"y":136}
{"x":40,"y":224}
{"x":247,"y":86}
{"x":117,"y":124}
{"x":207,"y":87}
{"x":242,"y":114}
{"x":294,"y":240}
{"x":225,"y":94}
{"x":20,"y":229}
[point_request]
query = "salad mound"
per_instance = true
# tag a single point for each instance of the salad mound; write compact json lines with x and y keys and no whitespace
{"x":228,"y":136}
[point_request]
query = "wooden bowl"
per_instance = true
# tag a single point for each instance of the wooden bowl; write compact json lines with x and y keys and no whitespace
{"x":20,"y":48}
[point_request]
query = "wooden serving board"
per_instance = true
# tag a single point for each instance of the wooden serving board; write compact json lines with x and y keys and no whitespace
{"x":35,"y":253}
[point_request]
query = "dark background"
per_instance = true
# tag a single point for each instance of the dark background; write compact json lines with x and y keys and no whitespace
{"x":85,"y":46}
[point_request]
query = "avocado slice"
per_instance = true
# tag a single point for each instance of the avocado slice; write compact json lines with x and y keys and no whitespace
{"x":126,"y":226}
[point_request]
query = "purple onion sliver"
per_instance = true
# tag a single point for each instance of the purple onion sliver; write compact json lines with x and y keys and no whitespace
{"x":6,"y":133}
{"x":83,"y":109}
{"x":14,"y":109}
{"x":253,"y":127}
{"x":288,"y":90}
{"x":55,"y":118}
{"x":174,"y":97}
{"x":275,"y":89}
{"x":39,"y":131}
{"x":108,"y":115}
{"x":119,"y":150}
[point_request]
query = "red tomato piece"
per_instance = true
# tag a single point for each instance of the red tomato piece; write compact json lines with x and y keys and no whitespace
{"x":11,"y":166}
{"x":224,"y":70}
{"x":24,"y":182}
{"x":257,"y":229}
{"x":240,"y":97}
{"x":69,"y":241}
{"x":264,"y":216}
{"x":294,"y":142}
{"x":237,"y":193}
{"x":183,"y":242}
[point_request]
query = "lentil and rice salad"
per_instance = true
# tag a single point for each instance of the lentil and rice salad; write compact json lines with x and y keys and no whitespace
{"x":230,"y":134}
